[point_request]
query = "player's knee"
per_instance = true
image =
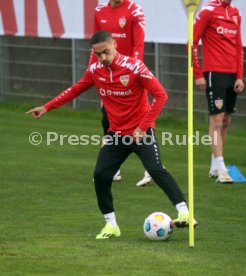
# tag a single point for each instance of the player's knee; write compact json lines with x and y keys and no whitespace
{"x":156,"y":170}
{"x":102,"y":175}
{"x":216,"y":121}
{"x":226,"y":121}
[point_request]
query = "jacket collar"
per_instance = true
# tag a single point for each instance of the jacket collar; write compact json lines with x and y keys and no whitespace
{"x":224,"y":3}
{"x":115,"y":61}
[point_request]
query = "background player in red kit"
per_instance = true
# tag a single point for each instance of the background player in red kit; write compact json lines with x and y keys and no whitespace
{"x":122,"y":83}
{"x":218,"y":25}
{"x":125,"y":20}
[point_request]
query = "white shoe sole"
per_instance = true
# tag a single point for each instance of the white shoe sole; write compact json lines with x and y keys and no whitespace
{"x":117,"y":178}
{"x":224,"y":180}
{"x":224,"y":177}
{"x":144,"y":182}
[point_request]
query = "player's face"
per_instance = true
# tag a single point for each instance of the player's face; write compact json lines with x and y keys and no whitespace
{"x":105,"y":52}
{"x":114,"y":3}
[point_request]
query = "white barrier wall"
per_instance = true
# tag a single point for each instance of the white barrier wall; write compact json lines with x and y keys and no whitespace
{"x":166,"y":20}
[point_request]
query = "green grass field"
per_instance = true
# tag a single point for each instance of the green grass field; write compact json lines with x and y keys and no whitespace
{"x":49,"y":215}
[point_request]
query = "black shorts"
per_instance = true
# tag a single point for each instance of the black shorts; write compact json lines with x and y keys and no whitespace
{"x":220,"y":93}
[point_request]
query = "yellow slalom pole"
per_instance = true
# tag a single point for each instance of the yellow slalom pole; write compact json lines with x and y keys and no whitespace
{"x":190,"y":132}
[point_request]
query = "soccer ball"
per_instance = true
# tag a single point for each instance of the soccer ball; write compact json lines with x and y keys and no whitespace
{"x":158,"y":226}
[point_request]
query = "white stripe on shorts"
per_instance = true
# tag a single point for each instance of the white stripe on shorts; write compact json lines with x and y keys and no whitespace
{"x":210,"y":79}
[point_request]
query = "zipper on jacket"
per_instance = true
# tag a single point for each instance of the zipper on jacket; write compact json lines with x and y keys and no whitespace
{"x":110,"y":74}
{"x":227,"y":13}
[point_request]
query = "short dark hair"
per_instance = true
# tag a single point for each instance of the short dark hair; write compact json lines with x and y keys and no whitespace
{"x":101,"y":36}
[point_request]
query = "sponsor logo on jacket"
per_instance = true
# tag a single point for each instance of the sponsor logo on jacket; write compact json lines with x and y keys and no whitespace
{"x":221,"y":30}
{"x":115,"y":35}
{"x":108,"y":92}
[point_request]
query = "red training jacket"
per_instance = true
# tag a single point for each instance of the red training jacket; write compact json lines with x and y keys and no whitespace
{"x":126,"y":22}
{"x":218,"y":25}
{"x":122,"y":89}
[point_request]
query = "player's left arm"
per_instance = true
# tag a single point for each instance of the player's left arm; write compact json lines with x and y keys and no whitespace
{"x":239,"y":85}
{"x":138,"y":31}
{"x":153,"y":86}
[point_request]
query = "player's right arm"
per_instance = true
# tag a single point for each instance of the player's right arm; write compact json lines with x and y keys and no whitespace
{"x":37,"y":112}
{"x":201,"y":83}
{"x":201,"y":23}
{"x":64,"y":97}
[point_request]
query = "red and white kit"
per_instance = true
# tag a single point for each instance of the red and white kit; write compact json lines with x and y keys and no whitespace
{"x":218,"y":25}
{"x":122,"y":89}
{"x":126,"y":23}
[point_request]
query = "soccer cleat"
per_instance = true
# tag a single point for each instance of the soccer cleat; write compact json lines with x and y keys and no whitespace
{"x":183,"y":220}
{"x":213,"y":173}
{"x":145,"y":181}
{"x":224,"y":177}
{"x":117,"y":176}
{"x":108,"y":231}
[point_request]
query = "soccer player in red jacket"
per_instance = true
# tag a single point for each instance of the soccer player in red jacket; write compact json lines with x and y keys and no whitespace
{"x":218,"y":25}
{"x":122,"y":83}
{"x":125,"y":20}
